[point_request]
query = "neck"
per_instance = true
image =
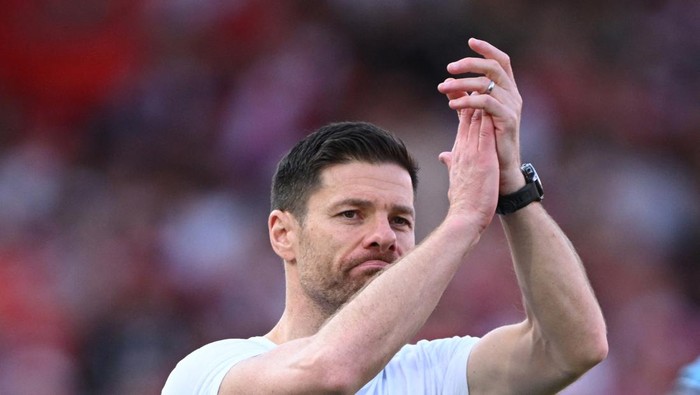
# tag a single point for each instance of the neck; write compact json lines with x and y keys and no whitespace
{"x":301,"y":316}
{"x":291,"y":327}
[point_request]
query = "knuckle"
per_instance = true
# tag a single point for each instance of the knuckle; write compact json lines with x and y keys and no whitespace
{"x":519,"y":102}
{"x":493,"y":64}
{"x":506,"y":60}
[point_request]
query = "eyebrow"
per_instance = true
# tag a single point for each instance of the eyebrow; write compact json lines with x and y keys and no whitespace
{"x":363,"y":203}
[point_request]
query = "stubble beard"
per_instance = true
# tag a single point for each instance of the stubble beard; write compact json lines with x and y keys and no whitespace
{"x":329,"y":294}
{"x":328,"y":286}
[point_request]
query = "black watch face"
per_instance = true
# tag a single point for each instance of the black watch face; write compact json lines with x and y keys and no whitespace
{"x":529,"y":171}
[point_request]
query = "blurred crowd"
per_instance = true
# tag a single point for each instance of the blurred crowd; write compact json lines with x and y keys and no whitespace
{"x":138,"y":139}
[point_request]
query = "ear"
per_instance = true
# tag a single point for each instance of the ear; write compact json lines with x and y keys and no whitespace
{"x":282,"y":228}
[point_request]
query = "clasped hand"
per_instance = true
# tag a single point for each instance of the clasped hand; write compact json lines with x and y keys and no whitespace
{"x":485,"y":159}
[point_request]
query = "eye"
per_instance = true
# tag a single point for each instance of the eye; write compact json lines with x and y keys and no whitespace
{"x":401,"y":221}
{"x":349,"y":214}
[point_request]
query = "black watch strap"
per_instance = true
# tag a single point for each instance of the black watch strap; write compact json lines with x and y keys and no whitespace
{"x":531,"y":192}
{"x":517,"y":200}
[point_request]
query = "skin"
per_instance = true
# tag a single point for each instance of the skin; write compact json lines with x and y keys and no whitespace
{"x":356,"y":224}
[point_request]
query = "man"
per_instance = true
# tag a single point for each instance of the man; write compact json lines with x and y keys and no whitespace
{"x":357,"y":289}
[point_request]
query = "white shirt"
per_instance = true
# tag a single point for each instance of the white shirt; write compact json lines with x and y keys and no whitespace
{"x":428,"y":367}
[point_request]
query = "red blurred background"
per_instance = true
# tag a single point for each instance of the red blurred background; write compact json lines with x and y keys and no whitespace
{"x":138,"y":138}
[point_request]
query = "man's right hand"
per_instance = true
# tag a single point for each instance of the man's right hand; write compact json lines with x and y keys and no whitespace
{"x":473,"y":169}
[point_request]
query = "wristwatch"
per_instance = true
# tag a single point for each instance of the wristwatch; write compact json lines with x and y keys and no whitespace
{"x":531,"y":192}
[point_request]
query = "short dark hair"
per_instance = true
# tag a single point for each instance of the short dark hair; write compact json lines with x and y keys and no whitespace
{"x":298,"y":174}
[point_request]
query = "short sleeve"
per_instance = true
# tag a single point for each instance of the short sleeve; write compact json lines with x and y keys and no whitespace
{"x":456,"y":372}
{"x":202,"y":371}
{"x":428,"y":367}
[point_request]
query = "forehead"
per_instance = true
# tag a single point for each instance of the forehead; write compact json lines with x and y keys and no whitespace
{"x":386,"y":181}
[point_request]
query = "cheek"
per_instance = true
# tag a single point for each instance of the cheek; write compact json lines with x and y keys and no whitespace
{"x":405,"y":242}
{"x":319,"y":245}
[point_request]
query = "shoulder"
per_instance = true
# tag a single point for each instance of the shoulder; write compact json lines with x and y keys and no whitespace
{"x":202,"y":371}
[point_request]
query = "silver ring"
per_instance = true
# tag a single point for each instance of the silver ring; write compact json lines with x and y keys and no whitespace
{"x":489,"y":89}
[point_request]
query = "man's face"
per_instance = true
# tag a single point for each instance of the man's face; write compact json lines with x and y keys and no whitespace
{"x":359,"y":221}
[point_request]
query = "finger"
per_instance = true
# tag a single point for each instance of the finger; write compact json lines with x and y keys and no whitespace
{"x":447,"y":83}
{"x":474,"y":129}
{"x":489,"y":51}
{"x":465,"y":115}
{"x":446,"y":158}
{"x":488,"y":67}
{"x":469,"y":119}
{"x":487,"y":136}
{"x":456,"y":94}
{"x":487,"y":103}
{"x":467,"y":130}
{"x":456,"y":88}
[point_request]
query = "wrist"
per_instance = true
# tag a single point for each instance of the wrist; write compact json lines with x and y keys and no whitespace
{"x":461,"y":233}
{"x":510,"y":181}
{"x":461,"y":223}
{"x":531,"y":192}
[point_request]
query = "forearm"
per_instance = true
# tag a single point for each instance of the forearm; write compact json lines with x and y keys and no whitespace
{"x":560,"y":304}
{"x":388,"y":312}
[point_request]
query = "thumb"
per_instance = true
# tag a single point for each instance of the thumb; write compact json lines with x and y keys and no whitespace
{"x":446,"y":158}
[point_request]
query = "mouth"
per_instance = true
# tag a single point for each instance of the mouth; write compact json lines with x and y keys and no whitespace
{"x":371,"y":265}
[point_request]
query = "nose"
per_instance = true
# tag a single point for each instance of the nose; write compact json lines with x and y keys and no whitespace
{"x":381,"y":236}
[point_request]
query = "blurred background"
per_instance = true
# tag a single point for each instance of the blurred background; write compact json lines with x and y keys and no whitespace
{"x":138,"y":139}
